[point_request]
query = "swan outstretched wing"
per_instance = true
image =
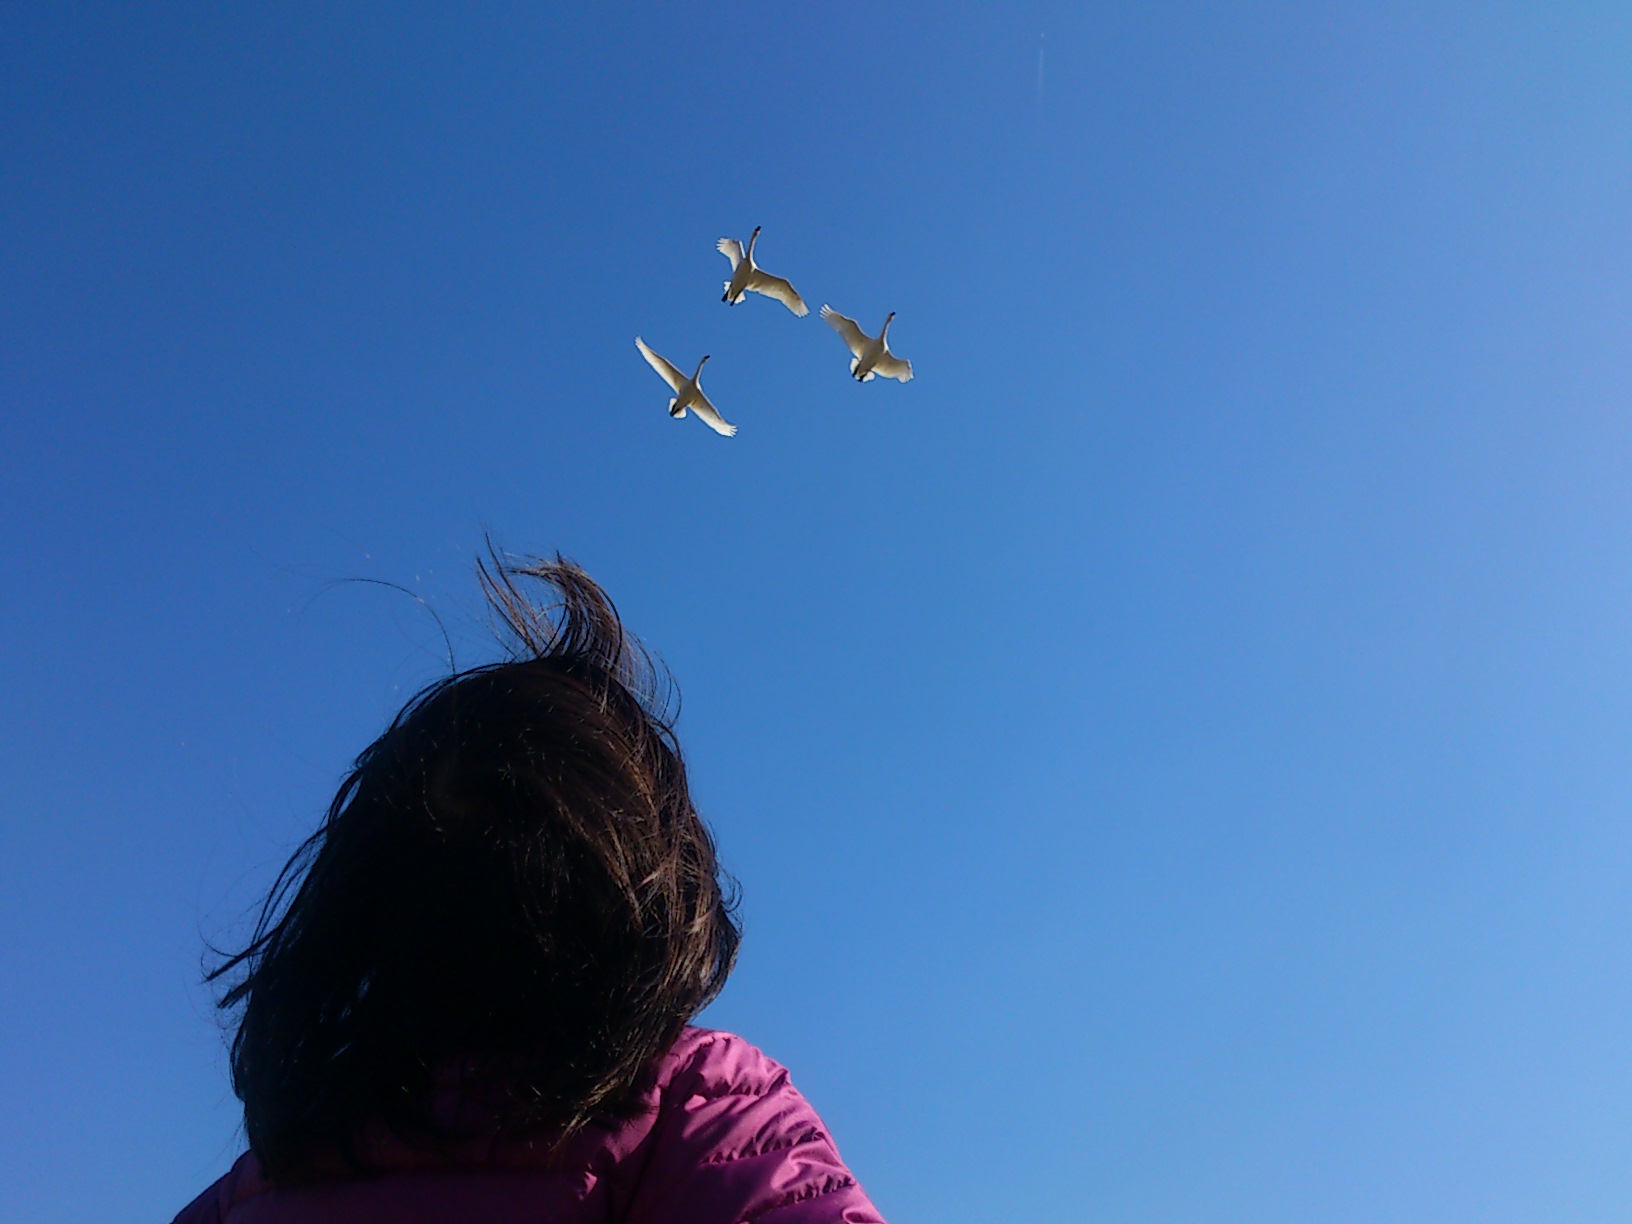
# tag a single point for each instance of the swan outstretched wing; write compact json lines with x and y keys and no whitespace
{"x":891,"y":366}
{"x":731,"y":249}
{"x":707,"y":413}
{"x":670,"y":375}
{"x":776,"y":287}
{"x":848,"y":329}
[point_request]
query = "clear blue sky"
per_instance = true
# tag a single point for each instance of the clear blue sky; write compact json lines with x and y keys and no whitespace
{"x":1175,"y":750}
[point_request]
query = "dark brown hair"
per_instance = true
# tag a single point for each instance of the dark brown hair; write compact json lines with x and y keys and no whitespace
{"x":512,"y":877}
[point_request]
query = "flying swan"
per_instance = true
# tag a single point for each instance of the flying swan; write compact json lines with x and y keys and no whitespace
{"x":747,"y":278}
{"x":871,"y":356}
{"x":687,"y":394}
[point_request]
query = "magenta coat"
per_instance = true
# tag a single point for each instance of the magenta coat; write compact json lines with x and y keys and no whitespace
{"x":728,"y":1140}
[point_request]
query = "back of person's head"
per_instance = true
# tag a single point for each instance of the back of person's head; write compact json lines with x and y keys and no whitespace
{"x":512,"y":880}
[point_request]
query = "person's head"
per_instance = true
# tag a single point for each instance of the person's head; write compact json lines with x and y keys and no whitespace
{"x":512,"y":879}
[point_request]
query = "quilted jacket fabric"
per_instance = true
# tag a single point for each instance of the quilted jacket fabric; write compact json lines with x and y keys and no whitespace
{"x":727,"y":1140}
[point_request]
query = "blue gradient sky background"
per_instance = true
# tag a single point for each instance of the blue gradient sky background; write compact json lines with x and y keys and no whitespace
{"x":1175,"y":750}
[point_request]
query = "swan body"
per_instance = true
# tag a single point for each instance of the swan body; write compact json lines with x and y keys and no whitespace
{"x":869,"y":356}
{"x":687,"y":392}
{"x":747,"y":277}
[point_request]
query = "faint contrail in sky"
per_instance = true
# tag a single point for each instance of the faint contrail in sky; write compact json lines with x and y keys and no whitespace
{"x":1039,"y":65}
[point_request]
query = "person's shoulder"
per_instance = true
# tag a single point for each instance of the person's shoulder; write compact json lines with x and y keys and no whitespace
{"x":735,"y":1139}
{"x":711,"y":1063}
{"x":212,"y":1206}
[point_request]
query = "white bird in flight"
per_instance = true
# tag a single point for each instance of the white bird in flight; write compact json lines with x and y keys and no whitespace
{"x":687,"y":394}
{"x":871,"y":356}
{"x":747,"y":278}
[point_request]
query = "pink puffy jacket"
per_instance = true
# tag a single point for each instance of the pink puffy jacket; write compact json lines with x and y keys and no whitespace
{"x":728,"y":1140}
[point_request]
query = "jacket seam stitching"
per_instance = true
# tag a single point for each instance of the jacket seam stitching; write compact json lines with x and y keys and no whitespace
{"x":833,"y":1186}
{"x":811,"y":1136}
